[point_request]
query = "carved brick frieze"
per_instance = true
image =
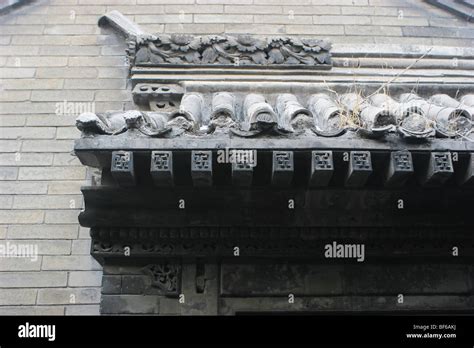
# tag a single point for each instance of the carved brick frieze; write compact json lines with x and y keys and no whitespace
{"x":178,"y":49}
{"x":165,"y":276}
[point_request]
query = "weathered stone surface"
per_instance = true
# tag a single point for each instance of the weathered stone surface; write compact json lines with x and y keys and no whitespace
{"x":52,"y":173}
{"x":308,"y":112}
{"x":47,"y":202}
{"x":85,"y":278}
{"x":78,"y":263}
{"x":111,"y":284}
{"x":83,"y":310}
{"x":465,"y":175}
{"x":17,"y":297}
{"x":81,"y":247}
{"x":46,"y":247}
{"x":64,"y":187}
{"x":201,"y":168}
{"x":232,"y":306}
{"x":280,"y":280}
{"x":242,"y":174}
{"x":219,"y":50}
{"x":32,"y":310}
{"x":440,"y":168}
{"x":42,"y":231}
{"x":68,"y":296}
{"x":9,"y":174}
{"x":129,"y":304}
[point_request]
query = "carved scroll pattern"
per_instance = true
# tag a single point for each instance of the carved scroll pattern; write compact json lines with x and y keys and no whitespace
{"x":164,"y":276}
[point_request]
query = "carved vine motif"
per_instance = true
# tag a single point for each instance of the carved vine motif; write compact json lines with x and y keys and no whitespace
{"x":164,"y":276}
{"x":168,"y":235}
{"x":148,"y":49}
{"x":228,"y":50}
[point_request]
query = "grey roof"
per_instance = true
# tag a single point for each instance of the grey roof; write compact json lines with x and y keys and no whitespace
{"x":289,"y":115}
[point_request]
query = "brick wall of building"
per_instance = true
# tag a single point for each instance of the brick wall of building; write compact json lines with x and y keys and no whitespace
{"x":53,"y":52}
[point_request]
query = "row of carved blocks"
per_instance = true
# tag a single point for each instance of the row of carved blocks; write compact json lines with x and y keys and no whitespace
{"x":440,"y":168}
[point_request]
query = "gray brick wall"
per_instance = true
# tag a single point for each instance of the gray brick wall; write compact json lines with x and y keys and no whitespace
{"x":52,"y":51}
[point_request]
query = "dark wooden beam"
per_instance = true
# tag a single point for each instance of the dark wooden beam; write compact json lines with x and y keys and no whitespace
{"x":201,"y":168}
{"x":322,"y":168}
{"x":466,"y":175}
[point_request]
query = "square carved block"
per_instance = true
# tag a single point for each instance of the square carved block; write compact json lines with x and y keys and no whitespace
{"x":360,"y":168}
{"x":400,"y":168}
{"x":161,"y":168}
{"x":440,"y":168}
{"x":322,"y":168}
{"x":201,"y":168}
{"x":122,"y":169}
{"x":282,"y":168}
{"x":242,"y":174}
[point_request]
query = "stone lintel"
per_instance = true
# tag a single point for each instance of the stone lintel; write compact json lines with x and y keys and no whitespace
{"x":322,"y":168}
{"x":400,"y":168}
{"x":360,"y":168}
{"x":201,"y":168}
